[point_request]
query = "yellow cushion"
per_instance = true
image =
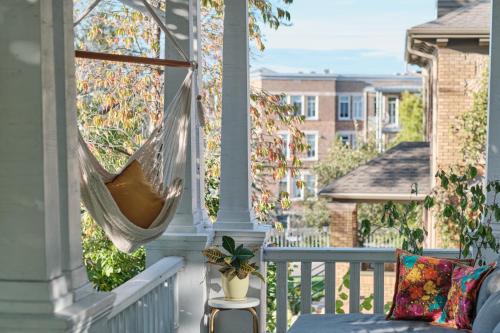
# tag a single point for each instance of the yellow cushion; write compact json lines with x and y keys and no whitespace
{"x":135,"y":197}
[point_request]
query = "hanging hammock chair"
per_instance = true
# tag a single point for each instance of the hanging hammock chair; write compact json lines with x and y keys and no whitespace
{"x":162,"y":160}
{"x":136,"y":205}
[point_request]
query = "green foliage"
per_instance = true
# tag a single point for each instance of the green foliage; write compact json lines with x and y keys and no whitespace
{"x":316,"y":213}
{"x":411,"y":119}
{"x":107,"y":267}
{"x":342,"y":159}
{"x":261,"y":12}
{"x":271,"y":292}
{"x":470,"y":211}
{"x":236,"y":262}
{"x":471,"y":126}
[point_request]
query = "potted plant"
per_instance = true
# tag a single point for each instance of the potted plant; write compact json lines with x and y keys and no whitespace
{"x":235,"y":267}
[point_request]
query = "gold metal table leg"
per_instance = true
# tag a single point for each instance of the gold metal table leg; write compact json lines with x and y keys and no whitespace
{"x":211,"y":319}
{"x":215,"y":311}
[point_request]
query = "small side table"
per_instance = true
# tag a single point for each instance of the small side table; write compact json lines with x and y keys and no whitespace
{"x":221,"y":304}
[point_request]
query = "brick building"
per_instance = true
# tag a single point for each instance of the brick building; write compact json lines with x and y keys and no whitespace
{"x":344,"y":106}
{"x":453,"y":53}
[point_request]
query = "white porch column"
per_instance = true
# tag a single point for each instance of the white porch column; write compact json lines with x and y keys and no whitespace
{"x":493,"y":146}
{"x":43,"y":284}
{"x":235,"y":199}
{"x":181,"y":18}
{"x":187,"y":235}
{"x":235,"y":214}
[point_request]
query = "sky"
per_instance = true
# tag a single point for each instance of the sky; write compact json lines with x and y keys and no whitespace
{"x":344,"y":36}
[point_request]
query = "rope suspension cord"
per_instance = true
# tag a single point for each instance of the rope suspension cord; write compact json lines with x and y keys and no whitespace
{"x":139,"y":60}
{"x":133,"y":59}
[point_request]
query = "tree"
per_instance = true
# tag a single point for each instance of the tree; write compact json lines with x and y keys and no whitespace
{"x":411,"y":118}
{"x":342,"y":158}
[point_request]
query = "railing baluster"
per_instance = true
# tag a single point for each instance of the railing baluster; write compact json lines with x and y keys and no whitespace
{"x":329,"y":287}
{"x":378,"y":286}
{"x":282,"y":297}
{"x":354,"y":277}
{"x":305,"y":284}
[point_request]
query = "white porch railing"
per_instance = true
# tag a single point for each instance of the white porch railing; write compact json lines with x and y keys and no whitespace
{"x":304,"y":237}
{"x":148,"y":302}
{"x":383,"y":238}
{"x":330,"y":256}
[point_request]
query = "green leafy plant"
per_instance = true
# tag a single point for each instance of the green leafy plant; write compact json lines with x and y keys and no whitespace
{"x":470,"y":212}
{"x":406,"y":219}
{"x":236,"y":262}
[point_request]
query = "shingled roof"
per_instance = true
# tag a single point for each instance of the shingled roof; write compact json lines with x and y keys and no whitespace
{"x":472,"y":19}
{"x":388,"y":177}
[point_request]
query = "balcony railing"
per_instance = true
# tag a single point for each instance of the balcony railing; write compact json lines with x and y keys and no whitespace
{"x":148,"y":302}
{"x":329,"y":257}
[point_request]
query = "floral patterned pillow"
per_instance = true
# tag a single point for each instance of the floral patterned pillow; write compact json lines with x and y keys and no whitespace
{"x":465,"y":283}
{"x":422,"y":287}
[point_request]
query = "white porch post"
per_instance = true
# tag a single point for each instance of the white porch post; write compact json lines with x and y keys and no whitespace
{"x":181,"y":18}
{"x":235,"y":216}
{"x":235,"y":199}
{"x":188,"y":234}
{"x":43,"y":284}
{"x":493,"y":146}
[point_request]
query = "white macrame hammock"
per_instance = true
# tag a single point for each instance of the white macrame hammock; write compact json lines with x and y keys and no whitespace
{"x":163,"y":161}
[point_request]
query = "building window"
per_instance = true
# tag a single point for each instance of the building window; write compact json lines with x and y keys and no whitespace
{"x":296,"y":101}
{"x":283,"y":186}
{"x":312,"y":108}
{"x":393,"y":110}
{"x":297,"y":192}
{"x":348,"y":139}
{"x":312,"y":143}
{"x":310,"y":185}
{"x":357,"y":107}
{"x":344,"y":108}
{"x":285,"y":138}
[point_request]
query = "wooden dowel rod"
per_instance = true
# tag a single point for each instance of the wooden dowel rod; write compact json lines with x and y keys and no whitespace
{"x":131,"y":59}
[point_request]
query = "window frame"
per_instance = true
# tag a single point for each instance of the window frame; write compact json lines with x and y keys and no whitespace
{"x":316,"y":107}
{"x":316,"y":145}
{"x":351,"y":135}
{"x":292,"y":184}
{"x":396,"y":110}
{"x":304,"y":175}
{"x":361,"y":102}
{"x":339,"y":105}
{"x":287,"y":152}
{"x":301,"y":113}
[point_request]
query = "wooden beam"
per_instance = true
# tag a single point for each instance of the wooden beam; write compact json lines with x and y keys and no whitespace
{"x":132,"y":59}
{"x":484,"y":42}
{"x":442,"y":42}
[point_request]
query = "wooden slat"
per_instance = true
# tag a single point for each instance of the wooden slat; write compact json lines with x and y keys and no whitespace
{"x":305,"y":284}
{"x":329,"y":287}
{"x":378,"y":286}
{"x":131,"y":59}
{"x":354,"y":276}
{"x":282,"y":297}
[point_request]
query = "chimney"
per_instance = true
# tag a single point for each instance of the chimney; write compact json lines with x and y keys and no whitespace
{"x":327,"y":71}
{"x":447,"y":6}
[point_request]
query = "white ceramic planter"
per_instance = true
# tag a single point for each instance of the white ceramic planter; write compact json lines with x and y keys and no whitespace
{"x":235,"y":289}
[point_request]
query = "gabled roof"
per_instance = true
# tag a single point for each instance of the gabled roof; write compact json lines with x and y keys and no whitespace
{"x":387,"y":177}
{"x":472,"y":19}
